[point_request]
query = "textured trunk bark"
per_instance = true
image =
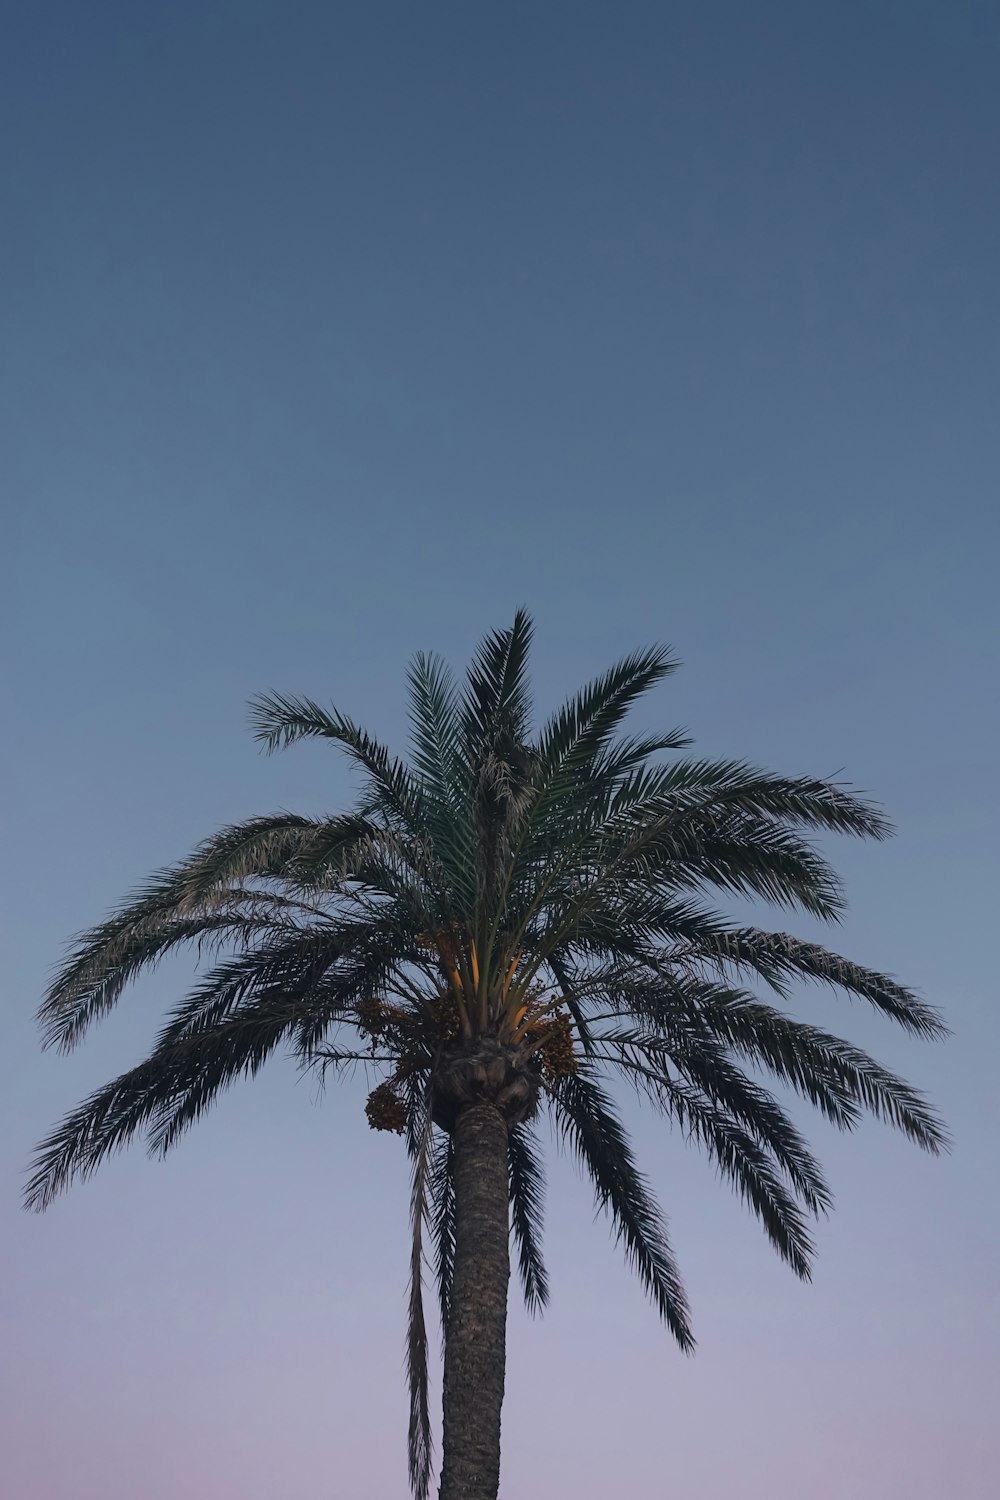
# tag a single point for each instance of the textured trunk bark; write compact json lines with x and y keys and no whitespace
{"x":475,"y":1348}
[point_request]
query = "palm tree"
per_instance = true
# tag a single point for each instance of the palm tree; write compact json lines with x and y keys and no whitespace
{"x":509,"y":923}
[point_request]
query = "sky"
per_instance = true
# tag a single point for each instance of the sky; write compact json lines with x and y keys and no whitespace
{"x":333,"y":332}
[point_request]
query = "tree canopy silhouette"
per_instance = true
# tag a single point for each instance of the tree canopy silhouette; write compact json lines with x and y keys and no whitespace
{"x":515,"y":921}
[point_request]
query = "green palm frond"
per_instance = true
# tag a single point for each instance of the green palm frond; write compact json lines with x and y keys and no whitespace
{"x":85,"y":991}
{"x":840,"y":1080}
{"x":527,"y":1201}
{"x":202,"y":902}
{"x":640,"y":838}
{"x":419,"y":1445}
{"x":297,"y":964}
{"x":442,"y":1221}
{"x":801,"y":801}
{"x":440,"y":763}
{"x":435,"y":726}
{"x":280,"y":721}
{"x":585,"y":1116}
{"x":661,"y":821}
{"x":166,"y":1093}
{"x":633,"y":752}
{"x":436,"y":735}
{"x":743,"y":856}
{"x":660,"y":1066}
{"x":779,"y":958}
{"x":497,"y":700}
{"x":741,"y":1158}
{"x":627,"y":925}
{"x":574,"y":738}
{"x":568,"y":987}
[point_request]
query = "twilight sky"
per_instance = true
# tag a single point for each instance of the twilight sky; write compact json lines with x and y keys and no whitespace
{"x":335,"y":331}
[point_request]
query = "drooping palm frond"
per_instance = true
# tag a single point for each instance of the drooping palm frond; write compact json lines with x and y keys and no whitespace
{"x":168,"y":1091}
{"x":419,"y":1444}
{"x":527,"y":1201}
{"x":778,"y":958}
{"x":659,"y":1064}
{"x":442,"y":1221}
{"x":290,"y":991}
{"x":568,"y":990}
{"x":748,"y":1165}
{"x":586,"y":1117}
{"x":85,"y":989}
{"x":203,"y":901}
{"x":280,"y":721}
{"x":290,"y":963}
{"x":743,"y":856}
{"x":839,"y":1079}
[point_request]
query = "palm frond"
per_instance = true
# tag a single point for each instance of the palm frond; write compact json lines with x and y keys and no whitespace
{"x":628,"y":924}
{"x":109,"y":957}
{"x":742,"y":855}
{"x":497,"y":697}
{"x":435,"y":729}
{"x":322,"y":974}
{"x":527,"y":1199}
{"x":287,"y":960}
{"x":632,"y":753}
{"x":700,"y":1064}
{"x":445,"y":776}
{"x":655,"y":817}
{"x":746,"y":1163}
{"x":442,"y":1225}
{"x":166,"y":1093}
{"x":573,"y":739}
{"x":568,"y":986}
{"x":267,"y":848}
{"x":280,"y":721}
{"x":419,"y":1445}
{"x":201,"y":901}
{"x":585,"y":1115}
{"x":640,"y":837}
{"x":839,"y":1079}
{"x":778,"y":957}
{"x":804,"y":801}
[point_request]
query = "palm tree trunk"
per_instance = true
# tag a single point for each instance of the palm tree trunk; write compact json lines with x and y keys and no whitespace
{"x":475,"y":1347}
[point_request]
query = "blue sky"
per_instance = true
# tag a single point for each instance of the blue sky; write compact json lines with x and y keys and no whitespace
{"x":334,"y":332}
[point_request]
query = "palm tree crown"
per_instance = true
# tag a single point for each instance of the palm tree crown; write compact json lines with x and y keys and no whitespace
{"x":519,"y":917}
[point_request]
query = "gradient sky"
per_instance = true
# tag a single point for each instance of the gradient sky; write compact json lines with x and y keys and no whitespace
{"x":331,"y":332}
